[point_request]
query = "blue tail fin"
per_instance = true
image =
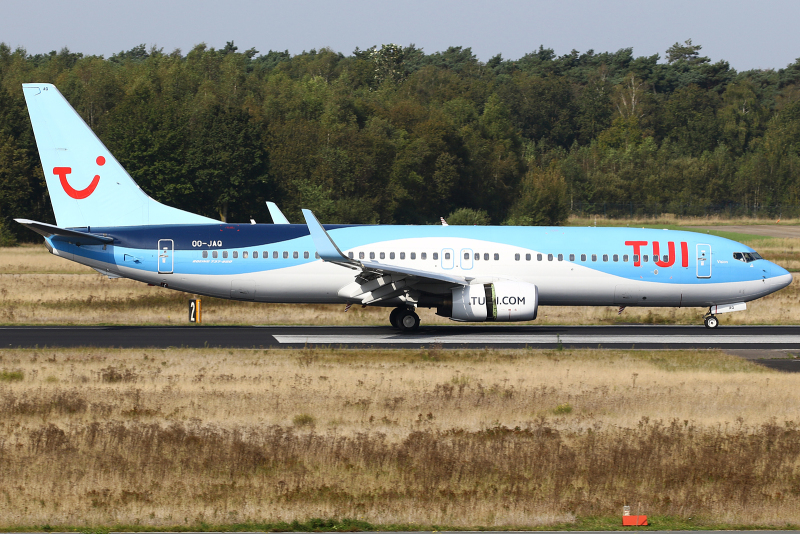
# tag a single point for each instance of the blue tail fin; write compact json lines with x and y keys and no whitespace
{"x":87,"y":186}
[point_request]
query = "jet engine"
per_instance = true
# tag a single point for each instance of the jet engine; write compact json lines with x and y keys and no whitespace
{"x":500,"y":301}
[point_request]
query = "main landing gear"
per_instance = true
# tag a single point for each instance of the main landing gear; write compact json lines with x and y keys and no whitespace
{"x":404,"y":319}
{"x":711,"y":321}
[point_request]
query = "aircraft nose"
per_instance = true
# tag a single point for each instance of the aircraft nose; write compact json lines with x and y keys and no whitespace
{"x":780,"y":277}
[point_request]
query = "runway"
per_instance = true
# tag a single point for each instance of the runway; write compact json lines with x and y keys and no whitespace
{"x":753,"y":338}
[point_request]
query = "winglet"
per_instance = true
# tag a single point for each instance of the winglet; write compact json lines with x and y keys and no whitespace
{"x":277,"y":215}
{"x":326,"y":248}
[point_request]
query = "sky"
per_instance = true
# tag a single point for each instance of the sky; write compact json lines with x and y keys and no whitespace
{"x":747,"y":34}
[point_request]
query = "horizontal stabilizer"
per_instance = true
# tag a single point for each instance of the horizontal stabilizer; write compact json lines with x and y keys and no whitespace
{"x":71,"y":236}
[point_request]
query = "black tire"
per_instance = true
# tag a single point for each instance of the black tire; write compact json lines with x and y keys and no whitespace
{"x":407,"y":321}
{"x":393,"y":317}
{"x":711,"y":321}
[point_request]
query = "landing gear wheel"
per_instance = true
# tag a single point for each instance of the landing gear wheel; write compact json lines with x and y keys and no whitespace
{"x":711,"y":321}
{"x":407,"y":320}
{"x":393,"y":317}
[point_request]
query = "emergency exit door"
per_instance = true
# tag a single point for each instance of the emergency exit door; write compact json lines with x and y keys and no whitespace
{"x":466,"y":258}
{"x":165,"y":256}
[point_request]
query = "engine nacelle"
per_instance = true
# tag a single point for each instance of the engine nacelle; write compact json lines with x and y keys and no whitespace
{"x":500,"y":301}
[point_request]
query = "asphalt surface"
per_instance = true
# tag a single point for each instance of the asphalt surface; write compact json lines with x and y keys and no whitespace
{"x":644,"y":337}
{"x":778,"y":344}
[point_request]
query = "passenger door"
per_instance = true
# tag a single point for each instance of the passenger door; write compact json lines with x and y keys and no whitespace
{"x":703,"y":261}
{"x":165,"y":256}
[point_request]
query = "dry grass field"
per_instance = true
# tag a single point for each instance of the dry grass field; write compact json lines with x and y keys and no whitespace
{"x":39,"y":288}
{"x":185,"y":438}
{"x":672,"y":219}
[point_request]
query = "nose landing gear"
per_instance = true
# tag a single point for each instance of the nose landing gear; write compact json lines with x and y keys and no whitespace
{"x":404,"y":319}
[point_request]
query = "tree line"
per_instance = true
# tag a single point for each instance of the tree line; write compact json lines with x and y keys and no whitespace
{"x":392,"y":134}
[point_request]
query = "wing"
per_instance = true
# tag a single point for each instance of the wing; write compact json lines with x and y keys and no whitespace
{"x":387,"y":280}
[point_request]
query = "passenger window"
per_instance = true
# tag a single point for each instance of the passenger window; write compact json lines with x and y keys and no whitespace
{"x":402,"y":255}
{"x":235,"y":253}
{"x":583,"y":257}
{"x":625,"y":258}
{"x":265,"y":254}
{"x":286,"y":255}
{"x":316,"y":255}
{"x":360,"y":255}
{"x":423,"y":256}
{"x":516,"y":256}
{"x":255,"y":254}
{"x":466,"y":255}
{"x":436,"y":255}
{"x":383,"y":255}
{"x":413,"y":255}
{"x":594,"y":257}
{"x":615,"y":257}
{"x":391,"y":255}
{"x":205,"y":253}
{"x":560,"y":257}
{"x":295,"y":255}
{"x":372,"y":255}
{"x":244,"y":254}
{"x":214,"y":254}
{"x":549,"y":257}
{"x":527,"y":257}
{"x":665,"y":258}
{"x":605,"y":257}
{"x":496,"y":256}
{"x":572,"y":257}
{"x":486,"y":256}
{"x":350,"y":254}
{"x":275,"y":254}
{"x":477,"y":256}
{"x":305,"y":255}
{"x":645,"y":258}
{"x":224,"y":253}
{"x":538,"y":257}
{"x":635,"y":258}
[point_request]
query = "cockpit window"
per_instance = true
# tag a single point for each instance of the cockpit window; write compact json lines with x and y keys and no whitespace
{"x":747,"y":257}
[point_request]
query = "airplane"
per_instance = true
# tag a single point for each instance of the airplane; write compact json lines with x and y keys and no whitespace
{"x":467,"y":273}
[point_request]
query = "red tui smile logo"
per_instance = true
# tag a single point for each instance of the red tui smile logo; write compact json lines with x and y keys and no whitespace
{"x":62,"y":173}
